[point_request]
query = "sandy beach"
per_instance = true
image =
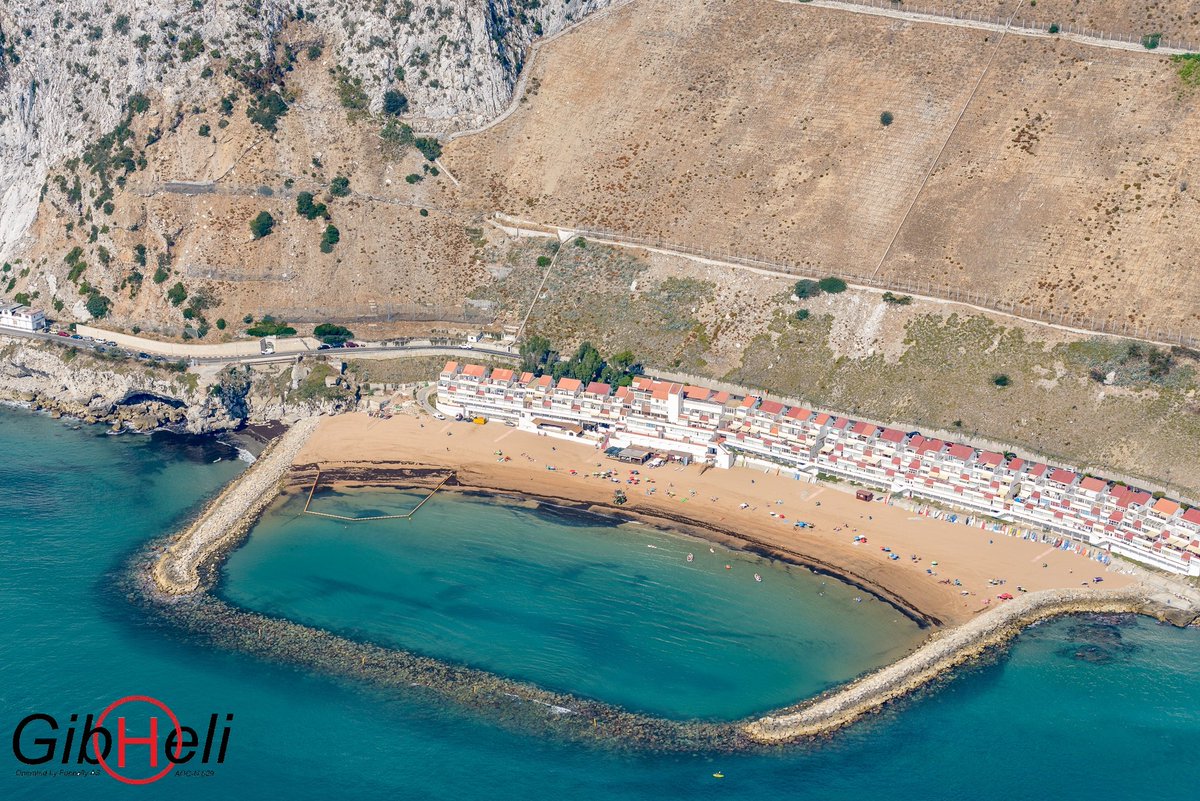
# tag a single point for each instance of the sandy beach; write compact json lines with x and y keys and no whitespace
{"x":709,"y":503}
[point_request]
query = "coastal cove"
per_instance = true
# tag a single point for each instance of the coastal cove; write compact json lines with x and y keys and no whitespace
{"x":999,"y":725}
{"x":193,"y":558}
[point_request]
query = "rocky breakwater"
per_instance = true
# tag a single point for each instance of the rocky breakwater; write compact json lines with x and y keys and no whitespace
{"x":228,"y":518}
{"x":940,"y":654}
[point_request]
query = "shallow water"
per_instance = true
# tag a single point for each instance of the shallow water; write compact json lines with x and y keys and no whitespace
{"x":567,"y":600}
{"x":1040,"y":721}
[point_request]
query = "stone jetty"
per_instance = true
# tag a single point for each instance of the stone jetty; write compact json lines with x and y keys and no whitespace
{"x":230,"y":515}
{"x":940,"y":654}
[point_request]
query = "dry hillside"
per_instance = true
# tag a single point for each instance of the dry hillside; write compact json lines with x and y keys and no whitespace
{"x":755,"y":129}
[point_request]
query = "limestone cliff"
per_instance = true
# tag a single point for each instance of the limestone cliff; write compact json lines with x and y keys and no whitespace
{"x":69,"y":68}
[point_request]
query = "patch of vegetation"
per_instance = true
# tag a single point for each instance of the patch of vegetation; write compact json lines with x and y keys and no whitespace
{"x":330,"y":238}
{"x":265,"y":109}
{"x":540,"y":358}
{"x":1151,"y":40}
{"x":544,"y":261}
{"x":1188,"y":65}
{"x":98,"y":305}
{"x":339,"y":186}
{"x":262,"y":225}
{"x":1053,"y":28}
{"x":177,"y":294}
{"x":414,"y":178}
{"x":805,"y":289}
{"x":1001,"y":380}
{"x":832,"y":285}
{"x":897,"y":300}
{"x":191,"y":47}
{"x":306,"y":207}
{"x":886,"y":118}
{"x":350,"y":90}
{"x":802,"y":314}
{"x":204,"y":130}
{"x":332,"y":334}
{"x":394,"y":103}
{"x":269,"y":327}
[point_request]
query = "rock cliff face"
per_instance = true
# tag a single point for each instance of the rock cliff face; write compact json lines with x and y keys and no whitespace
{"x":143,"y":397}
{"x":68,"y":68}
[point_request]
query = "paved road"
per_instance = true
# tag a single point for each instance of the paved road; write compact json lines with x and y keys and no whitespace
{"x":397,"y":351}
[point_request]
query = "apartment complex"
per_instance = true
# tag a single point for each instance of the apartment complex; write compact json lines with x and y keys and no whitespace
{"x":720,"y":428}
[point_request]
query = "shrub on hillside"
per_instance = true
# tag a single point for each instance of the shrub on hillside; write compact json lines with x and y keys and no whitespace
{"x":262,"y":225}
{"x":832,"y":285}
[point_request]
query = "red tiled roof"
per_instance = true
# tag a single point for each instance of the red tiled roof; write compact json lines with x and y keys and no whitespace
{"x":598,"y":388}
{"x":960,"y":451}
{"x":892,"y":435}
{"x":821,"y":419}
{"x":1166,"y":507}
{"x":569,"y":384}
{"x":1062,"y":476}
{"x":450,"y":367}
{"x":991,"y":458}
{"x":502,"y":374}
{"x":697,"y":393}
{"x":841,"y":423}
{"x":864,"y":429}
{"x":749,"y":401}
{"x":798,"y":413}
{"x":544,"y":382}
{"x":1192,"y":515}
{"x":1038,"y":470}
{"x":624,"y":393}
{"x":721,"y":397}
{"x":930,"y":446}
{"x":1015,"y":464}
{"x":476,"y":370}
{"x":771,"y":407}
{"x":1093,"y":484}
{"x":526,"y":377}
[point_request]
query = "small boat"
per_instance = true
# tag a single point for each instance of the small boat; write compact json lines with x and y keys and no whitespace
{"x":718,"y":775}
{"x":757,"y":577}
{"x":727,"y":567}
{"x":690,"y":557}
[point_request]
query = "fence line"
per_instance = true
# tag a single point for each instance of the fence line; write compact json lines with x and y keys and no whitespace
{"x":384,"y":313}
{"x":1022,"y":26}
{"x":926,"y":288}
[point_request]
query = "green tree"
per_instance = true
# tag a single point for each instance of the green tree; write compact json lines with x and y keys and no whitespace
{"x":332,"y":334}
{"x":177,"y":294}
{"x":394,"y":103}
{"x":307,"y":208}
{"x":536,"y":353}
{"x":832,"y":285}
{"x":261,"y":225}
{"x":339,"y":186}
{"x":330,"y":238}
{"x":807,"y":289}
{"x":98,"y":306}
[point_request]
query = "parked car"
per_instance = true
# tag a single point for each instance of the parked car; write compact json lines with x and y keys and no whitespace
{"x":350,"y":344}
{"x":64,"y":333}
{"x":439,"y":416}
{"x":76,"y":336}
{"x":323,"y":347}
{"x":143,"y":355}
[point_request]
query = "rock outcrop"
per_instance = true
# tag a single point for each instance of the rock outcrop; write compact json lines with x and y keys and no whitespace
{"x":68,"y":68}
{"x":141,"y":396}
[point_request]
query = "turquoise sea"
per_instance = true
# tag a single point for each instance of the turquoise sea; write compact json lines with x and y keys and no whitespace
{"x":1076,"y":709}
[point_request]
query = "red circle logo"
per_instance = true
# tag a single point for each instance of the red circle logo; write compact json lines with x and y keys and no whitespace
{"x":151,"y":741}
